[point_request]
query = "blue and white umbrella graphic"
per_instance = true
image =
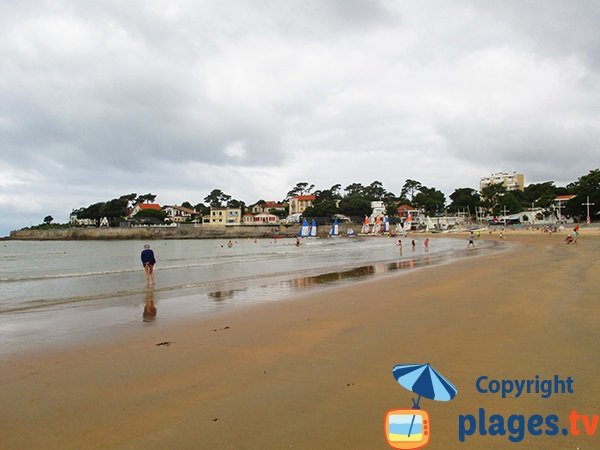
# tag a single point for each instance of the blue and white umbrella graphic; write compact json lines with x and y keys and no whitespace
{"x":424,"y":381}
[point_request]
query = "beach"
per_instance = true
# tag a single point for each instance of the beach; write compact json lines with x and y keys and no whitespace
{"x":315,"y":372}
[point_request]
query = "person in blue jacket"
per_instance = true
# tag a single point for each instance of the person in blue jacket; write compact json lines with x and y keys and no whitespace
{"x":148,"y":261}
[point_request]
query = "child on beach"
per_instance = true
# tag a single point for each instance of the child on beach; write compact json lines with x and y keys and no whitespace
{"x":148,"y":262}
{"x":471,"y":240}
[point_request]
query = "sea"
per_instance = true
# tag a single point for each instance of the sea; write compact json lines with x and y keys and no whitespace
{"x":62,"y":291}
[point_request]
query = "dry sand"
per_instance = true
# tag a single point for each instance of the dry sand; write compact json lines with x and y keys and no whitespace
{"x":316,"y":372}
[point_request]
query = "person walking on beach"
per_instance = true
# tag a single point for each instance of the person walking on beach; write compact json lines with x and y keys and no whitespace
{"x":471,"y":240}
{"x":148,"y":262}
{"x":414,"y":245}
{"x":426,"y":244}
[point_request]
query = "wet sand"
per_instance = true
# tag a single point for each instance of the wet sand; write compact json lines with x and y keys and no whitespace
{"x":316,"y":372}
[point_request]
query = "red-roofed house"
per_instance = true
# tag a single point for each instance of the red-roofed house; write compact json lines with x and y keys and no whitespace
{"x":299,"y":203}
{"x":266,"y":207}
{"x":144,"y":207}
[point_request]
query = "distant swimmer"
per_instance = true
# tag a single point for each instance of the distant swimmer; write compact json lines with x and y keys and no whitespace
{"x":148,"y":262}
{"x":297,"y":242}
{"x":229,"y":244}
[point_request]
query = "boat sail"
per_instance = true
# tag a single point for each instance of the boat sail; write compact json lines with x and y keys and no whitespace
{"x":365,"y":227}
{"x":313,"y":229}
{"x":303,"y":232}
{"x":335,"y":228}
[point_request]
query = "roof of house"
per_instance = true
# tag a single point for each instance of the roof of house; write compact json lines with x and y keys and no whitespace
{"x":305,"y":197}
{"x":563,"y":198}
{"x":275,"y":204}
{"x":406,"y":208}
{"x":154,"y":206}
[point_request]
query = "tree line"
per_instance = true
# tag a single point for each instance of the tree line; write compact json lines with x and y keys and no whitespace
{"x":355,"y":200}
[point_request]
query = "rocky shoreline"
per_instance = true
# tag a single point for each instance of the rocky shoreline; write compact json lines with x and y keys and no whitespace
{"x":179,"y":232}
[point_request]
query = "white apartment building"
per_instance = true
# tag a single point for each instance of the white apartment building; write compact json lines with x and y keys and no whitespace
{"x":511,"y":181}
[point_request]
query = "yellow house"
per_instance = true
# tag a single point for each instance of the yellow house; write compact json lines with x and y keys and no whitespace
{"x":299,"y":203}
{"x":225,"y":216}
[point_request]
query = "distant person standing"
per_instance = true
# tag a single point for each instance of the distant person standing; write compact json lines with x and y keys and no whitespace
{"x":148,"y":261}
{"x":426,"y":244}
{"x":471,"y":240}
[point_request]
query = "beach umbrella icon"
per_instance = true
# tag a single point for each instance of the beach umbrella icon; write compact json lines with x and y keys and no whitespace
{"x":424,"y":381}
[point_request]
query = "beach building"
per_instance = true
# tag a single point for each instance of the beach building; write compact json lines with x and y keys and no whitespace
{"x":511,"y":181}
{"x":178,"y":213}
{"x":75,"y":221}
{"x":225,"y":216}
{"x":299,"y":203}
{"x":377,"y":210}
{"x":260,"y":219}
{"x":266,"y":207}
{"x":144,"y":207}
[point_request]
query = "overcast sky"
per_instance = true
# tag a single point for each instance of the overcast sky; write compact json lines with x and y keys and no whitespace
{"x":104,"y":98}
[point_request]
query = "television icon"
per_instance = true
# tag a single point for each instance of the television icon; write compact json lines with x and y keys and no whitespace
{"x":407,"y":428}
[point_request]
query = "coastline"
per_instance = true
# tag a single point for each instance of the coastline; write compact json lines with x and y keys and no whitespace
{"x":315,"y":372}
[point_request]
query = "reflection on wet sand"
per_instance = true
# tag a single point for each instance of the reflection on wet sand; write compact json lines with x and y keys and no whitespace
{"x":218,"y":296}
{"x":341,"y":276}
{"x":358,"y":272}
{"x":149,"y":314}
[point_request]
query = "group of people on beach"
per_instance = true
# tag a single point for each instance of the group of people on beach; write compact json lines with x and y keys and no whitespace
{"x":413,"y":245}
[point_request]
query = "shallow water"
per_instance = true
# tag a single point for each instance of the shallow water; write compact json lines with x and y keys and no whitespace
{"x":61,"y":290}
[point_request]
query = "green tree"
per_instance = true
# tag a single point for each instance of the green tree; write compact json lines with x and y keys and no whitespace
{"x":464,"y":199}
{"x":491,"y":196}
{"x":217,"y":198}
{"x":146,"y":198}
{"x":115,"y":210}
{"x":509,"y":203}
{"x":431,"y":200}
{"x":541,"y":195}
{"x":410,"y":189}
{"x":233,"y":203}
{"x":355,"y":206}
{"x":586,"y":186}
{"x":376,"y":191}
{"x":354,"y":189}
{"x":326,"y":208}
{"x":48,"y":219}
{"x":202,"y":209}
{"x":93,"y":212}
{"x":301,"y":188}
